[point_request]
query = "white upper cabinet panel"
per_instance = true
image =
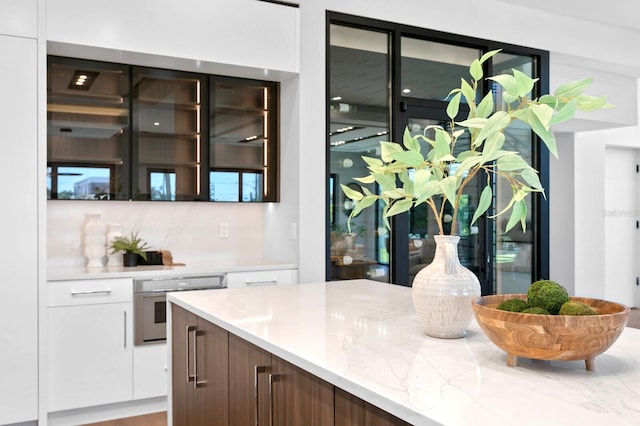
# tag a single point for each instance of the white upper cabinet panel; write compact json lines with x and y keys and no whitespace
{"x":241,"y":32}
{"x":19,"y":18}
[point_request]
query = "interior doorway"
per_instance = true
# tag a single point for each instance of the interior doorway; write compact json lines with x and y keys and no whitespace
{"x":621,"y":226}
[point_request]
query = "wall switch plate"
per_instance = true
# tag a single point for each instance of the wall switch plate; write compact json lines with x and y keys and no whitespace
{"x":224,"y":230}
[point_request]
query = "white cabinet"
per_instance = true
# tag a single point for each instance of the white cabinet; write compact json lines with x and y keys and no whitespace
{"x":90,"y":343}
{"x":19,"y":254}
{"x":258,"y":278}
{"x":150,"y":371}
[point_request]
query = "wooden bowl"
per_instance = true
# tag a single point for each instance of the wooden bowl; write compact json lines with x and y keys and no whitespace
{"x":551,"y":337}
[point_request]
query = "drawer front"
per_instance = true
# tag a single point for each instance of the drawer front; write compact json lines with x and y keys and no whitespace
{"x":89,"y":292}
{"x":259,"y":278}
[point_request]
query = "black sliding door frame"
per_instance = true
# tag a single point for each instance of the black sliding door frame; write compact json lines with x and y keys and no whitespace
{"x":402,"y":106}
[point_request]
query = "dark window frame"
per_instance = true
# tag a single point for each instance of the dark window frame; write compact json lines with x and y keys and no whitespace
{"x":400,"y":104}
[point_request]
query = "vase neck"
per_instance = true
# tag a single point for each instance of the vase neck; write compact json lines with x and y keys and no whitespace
{"x":447,"y":250}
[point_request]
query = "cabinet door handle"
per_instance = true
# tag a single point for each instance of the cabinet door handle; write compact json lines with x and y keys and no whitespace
{"x":257,"y":370}
{"x":250,"y":282}
{"x":196,"y":382}
{"x":189,"y":329}
{"x":272,"y":378}
{"x":87,"y":292}
{"x":125,"y":328}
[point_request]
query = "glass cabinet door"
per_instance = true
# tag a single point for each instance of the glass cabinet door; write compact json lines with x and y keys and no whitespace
{"x":242,"y":141}
{"x":167,"y":110}
{"x":87,"y":130}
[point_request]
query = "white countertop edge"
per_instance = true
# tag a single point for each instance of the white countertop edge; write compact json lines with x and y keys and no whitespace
{"x":66,"y":273}
{"x":335,"y":379}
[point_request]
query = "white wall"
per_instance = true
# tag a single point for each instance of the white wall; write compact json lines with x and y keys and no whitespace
{"x":243,"y":38}
{"x":19,"y":253}
{"x":190,"y":230}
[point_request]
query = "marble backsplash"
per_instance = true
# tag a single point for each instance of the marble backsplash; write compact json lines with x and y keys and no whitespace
{"x":189,"y":230}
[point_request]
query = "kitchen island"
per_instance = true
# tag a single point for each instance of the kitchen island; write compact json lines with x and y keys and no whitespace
{"x":363,"y":337}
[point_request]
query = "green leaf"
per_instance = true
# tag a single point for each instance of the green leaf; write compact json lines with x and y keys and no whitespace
{"x":449,"y":186}
{"x":454,"y":106}
{"x":473,"y":123}
{"x":518,"y":214}
{"x":467,"y":164}
{"x":566,"y":112}
{"x":492,"y":145}
{"x":489,"y":55}
{"x":573,"y":89}
{"x":409,"y":158}
{"x":496,"y":123}
{"x":372,"y":161}
{"x":389,"y":148}
{"x":508,"y":82}
{"x":511,"y":163}
{"x":483,"y":204}
{"x":365,"y":180}
{"x":545,"y":133}
{"x":386,"y":182}
{"x":398,"y":207}
{"x":590,"y":103}
{"x":531,"y":178}
{"x":431,"y":188}
{"x":485,"y":107}
{"x":442,"y":145}
{"x":351,"y":193}
{"x":363,"y":204}
{"x":468,"y":92}
{"x":544,"y":113}
{"x":475,"y":70}
{"x":410,"y":142}
{"x":525,"y":83}
{"x":550,"y":100}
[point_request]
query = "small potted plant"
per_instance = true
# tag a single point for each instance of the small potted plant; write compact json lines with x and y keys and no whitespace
{"x":131,"y":247}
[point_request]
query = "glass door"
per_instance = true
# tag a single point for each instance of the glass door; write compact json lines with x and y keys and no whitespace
{"x":359,"y":120}
{"x":168,"y":115}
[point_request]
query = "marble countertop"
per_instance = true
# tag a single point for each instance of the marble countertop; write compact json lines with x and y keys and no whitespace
{"x":363,"y":336}
{"x":64,"y":273}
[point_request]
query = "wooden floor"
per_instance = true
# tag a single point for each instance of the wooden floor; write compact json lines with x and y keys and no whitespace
{"x":155,"y":419}
{"x":160,"y":419}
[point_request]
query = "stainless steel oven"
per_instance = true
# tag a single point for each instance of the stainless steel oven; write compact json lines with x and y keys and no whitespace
{"x":150,"y":303}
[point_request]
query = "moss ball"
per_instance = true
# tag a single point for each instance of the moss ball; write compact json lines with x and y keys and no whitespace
{"x":548,"y":295}
{"x":535,"y":310}
{"x":576,"y":308}
{"x":512,"y":305}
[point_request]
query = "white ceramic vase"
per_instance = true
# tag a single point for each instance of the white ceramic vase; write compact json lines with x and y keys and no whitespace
{"x":113,"y":259}
{"x":442,"y":292}
{"x":94,"y":240}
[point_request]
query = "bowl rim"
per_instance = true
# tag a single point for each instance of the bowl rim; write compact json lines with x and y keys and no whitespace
{"x":624,"y":309}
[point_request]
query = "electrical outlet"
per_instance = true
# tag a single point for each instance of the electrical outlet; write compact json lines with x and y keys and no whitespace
{"x":224,"y":230}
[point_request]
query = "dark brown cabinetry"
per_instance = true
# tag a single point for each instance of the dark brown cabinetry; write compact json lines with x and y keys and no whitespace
{"x":200,"y":371}
{"x":221,"y":379}
{"x":350,"y":410}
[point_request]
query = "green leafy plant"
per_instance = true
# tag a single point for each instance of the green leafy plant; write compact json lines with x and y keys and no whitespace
{"x":131,"y":244}
{"x":408,"y":177}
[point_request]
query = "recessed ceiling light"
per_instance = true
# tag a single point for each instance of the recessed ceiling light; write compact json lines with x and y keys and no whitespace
{"x":336,"y":98}
{"x":406,"y":91}
{"x":82,"y":80}
{"x":156,"y":123}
